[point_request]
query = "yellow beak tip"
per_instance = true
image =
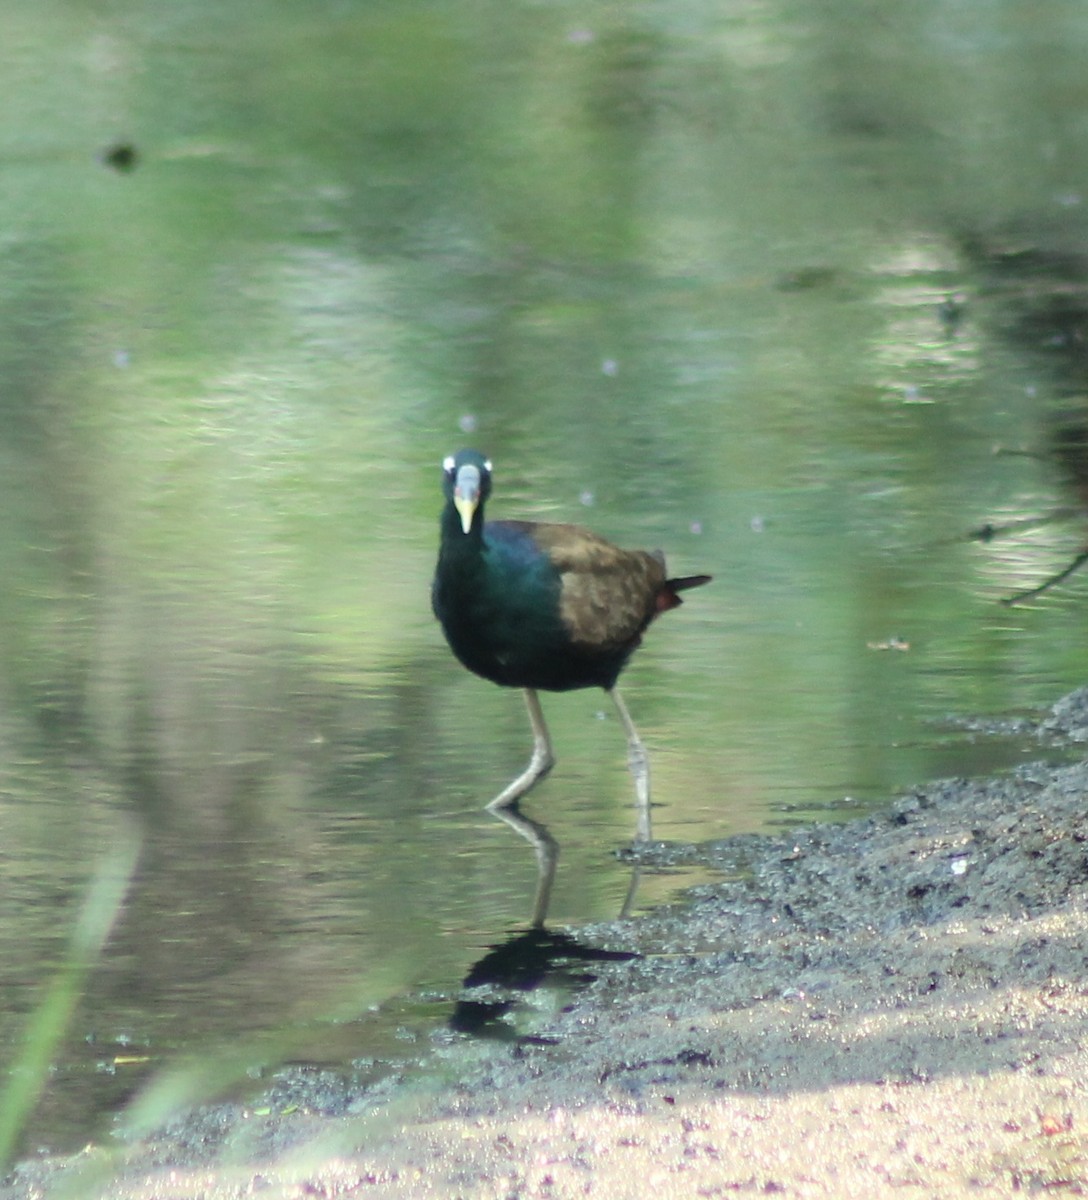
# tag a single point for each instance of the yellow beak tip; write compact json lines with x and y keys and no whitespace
{"x":467,"y":509}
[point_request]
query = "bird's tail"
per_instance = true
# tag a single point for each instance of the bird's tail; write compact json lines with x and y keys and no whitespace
{"x":688,"y":581}
{"x":667,"y":597}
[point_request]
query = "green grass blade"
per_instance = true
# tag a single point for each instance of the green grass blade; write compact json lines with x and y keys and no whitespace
{"x":27,"y":1077}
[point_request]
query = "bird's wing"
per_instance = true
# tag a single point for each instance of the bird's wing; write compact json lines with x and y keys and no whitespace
{"x":607,"y":595}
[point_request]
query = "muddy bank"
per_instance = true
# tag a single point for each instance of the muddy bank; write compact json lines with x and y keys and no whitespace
{"x":893,"y":1006}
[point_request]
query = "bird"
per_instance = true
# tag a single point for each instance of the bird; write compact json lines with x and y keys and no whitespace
{"x":544,"y":607}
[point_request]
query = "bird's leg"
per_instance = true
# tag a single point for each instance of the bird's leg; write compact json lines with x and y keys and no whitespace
{"x":639,"y":762}
{"x":541,"y":762}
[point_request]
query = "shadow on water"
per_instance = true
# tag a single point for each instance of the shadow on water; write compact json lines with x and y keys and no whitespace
{"x":530,"y":959}
{"x":525,"y":962}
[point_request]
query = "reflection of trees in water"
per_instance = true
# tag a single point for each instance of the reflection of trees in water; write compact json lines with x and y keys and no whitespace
{"x":1069,"y":451}
{"x":1039,"y":289}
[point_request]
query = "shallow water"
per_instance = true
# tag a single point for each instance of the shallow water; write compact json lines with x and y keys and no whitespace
{"x":680,"y":273}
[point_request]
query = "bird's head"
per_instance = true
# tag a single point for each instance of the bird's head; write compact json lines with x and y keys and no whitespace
{"x":467,"y":483}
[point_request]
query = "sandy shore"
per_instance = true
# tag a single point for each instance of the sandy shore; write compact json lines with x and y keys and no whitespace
{"x":895,"y":1006}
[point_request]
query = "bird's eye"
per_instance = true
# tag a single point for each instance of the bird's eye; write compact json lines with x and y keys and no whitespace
{"x":447,"y":464}
{"x":487,"y":465}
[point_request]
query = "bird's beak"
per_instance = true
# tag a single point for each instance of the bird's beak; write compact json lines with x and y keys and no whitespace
{"x":466,"y":495}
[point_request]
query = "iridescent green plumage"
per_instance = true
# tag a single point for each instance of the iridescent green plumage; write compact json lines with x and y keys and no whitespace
{"x":542,"y":606}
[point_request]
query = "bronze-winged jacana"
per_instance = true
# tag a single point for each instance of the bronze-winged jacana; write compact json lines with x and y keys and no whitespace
{"x":543,"y":607}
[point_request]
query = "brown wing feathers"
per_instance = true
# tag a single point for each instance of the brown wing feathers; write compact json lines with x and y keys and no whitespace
{"x":607,"y":595}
